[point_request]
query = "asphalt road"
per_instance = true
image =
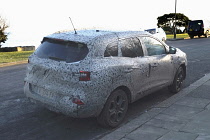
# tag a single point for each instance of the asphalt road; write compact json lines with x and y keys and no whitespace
{"x":198,"y":55}
{"x":19,"y":119}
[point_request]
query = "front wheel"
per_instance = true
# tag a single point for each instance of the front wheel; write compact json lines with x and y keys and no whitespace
{"x":178,"y":80}
{"x":114,"y":110}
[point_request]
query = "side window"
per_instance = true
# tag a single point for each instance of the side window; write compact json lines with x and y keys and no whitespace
{"x":131,"y":47}
{"x":111,"y":50}
{"x":153,"y":46}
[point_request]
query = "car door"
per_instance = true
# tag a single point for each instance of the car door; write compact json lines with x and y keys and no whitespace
{"x":161,"y":67}
{"x":139,"y":69}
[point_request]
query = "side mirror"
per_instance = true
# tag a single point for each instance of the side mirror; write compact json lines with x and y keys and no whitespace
{"x":172,"y":50}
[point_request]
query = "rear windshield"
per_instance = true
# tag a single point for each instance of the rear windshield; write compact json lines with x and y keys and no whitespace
{"x":61,"y":50}
{"x":196,"y":24}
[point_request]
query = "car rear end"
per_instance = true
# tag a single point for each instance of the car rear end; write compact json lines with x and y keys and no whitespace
{"x":195,"y":28}
{"x":58,"y":76}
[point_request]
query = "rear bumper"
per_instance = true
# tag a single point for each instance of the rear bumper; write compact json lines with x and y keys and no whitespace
{"x":194,"y":33}
{"x":60,"y":103}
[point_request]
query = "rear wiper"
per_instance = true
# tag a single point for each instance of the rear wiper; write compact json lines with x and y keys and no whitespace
{"x":57,"y":59}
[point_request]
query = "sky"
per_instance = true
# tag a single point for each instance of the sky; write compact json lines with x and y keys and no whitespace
{"x":31,"y":20}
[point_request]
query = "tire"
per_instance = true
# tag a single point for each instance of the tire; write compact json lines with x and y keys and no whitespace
{"x":191,"y":36}
{"x":114,"y":110}
{"x":178,"y":80}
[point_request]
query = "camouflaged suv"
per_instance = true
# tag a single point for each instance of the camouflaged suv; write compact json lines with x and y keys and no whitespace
{"x":98,"y":73}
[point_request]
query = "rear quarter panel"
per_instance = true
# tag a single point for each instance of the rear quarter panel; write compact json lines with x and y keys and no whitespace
{"x":108,"y":74}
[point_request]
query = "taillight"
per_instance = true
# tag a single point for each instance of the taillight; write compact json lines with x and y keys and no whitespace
{"x":84,"y":76}
{"x":77,"y":101}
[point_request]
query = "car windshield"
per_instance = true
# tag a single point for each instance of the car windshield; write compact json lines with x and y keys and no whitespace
{"x":61,"y":50}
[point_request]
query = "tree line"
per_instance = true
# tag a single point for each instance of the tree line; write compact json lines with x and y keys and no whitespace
{"x":170,"y":21}
{"x":3,"y":27}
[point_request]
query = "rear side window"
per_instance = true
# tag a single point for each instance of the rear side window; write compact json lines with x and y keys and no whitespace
{"x":131,"y":47}
{"x":111,"y":50}
{"x":61,"y":50}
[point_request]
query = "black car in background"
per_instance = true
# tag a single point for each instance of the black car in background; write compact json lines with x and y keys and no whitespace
{"x":198,"y":28}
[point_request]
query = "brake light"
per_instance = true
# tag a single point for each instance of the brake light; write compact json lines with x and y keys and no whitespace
{"x":77,"y":101}
{"x":84,"y":76}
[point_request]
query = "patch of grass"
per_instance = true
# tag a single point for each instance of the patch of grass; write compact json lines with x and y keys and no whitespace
{"x":6,"y":57}
{"x":170,"y":36}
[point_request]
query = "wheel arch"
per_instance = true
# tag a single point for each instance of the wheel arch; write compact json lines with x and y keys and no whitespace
{"x":127,"y":91}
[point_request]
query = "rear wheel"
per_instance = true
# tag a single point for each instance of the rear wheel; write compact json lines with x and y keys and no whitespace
{"x":191,"y":36}
{"x":114,"y":110}
{"x":178,"y":80}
